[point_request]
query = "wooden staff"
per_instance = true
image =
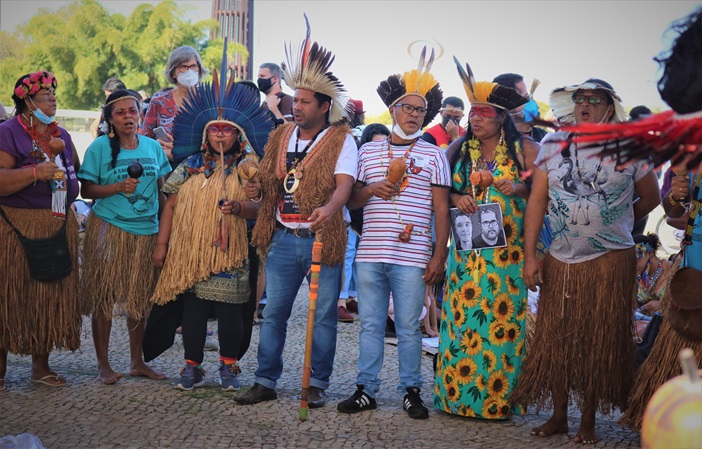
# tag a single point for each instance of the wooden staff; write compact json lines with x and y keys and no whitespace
{"x":222,"y":232}
{"x":307,"y":367}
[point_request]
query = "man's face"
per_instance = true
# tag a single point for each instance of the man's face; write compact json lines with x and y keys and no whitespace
{"x":464,"y":229}
{"x":451,"y":113}
{"x":307,"y":113}
{"x":517,"y":114}
{"x":488,"y":223}
{"x":265,"y":73}
{"x":591,"y":106}
{"x":409,"y":122}
{"x":520,"y":86}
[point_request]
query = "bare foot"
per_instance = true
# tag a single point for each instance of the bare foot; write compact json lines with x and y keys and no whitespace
{"x":586,"y":436}
{"x":143,"y":370}
{"x":551,"y":427}
{"x":108,"y":376}
{"x":2,"y":384}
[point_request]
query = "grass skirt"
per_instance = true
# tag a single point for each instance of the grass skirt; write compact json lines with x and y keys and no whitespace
{"x":36,"y":317}
{"x":583,"y":343}
{"x":117,"y":269}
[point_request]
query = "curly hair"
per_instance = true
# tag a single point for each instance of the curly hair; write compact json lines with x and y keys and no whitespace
{"x":650,"y":239}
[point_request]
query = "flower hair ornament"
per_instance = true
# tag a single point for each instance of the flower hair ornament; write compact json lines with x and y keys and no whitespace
{"x":414,"y":82}
{"x":32,"y":83}
{"x":308,"y":67}
{"x":221,"y":101}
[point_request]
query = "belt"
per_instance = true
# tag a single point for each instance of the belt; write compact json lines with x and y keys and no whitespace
{"x":297,"y":232}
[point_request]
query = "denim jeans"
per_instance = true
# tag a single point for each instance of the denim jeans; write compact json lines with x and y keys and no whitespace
{"x":375,"y":282}
{"x":288,"y":262}
{"x":348,"y":287}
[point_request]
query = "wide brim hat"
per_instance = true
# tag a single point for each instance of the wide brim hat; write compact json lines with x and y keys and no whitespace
{"x":685,"y":306}
{"x":561,"y":100}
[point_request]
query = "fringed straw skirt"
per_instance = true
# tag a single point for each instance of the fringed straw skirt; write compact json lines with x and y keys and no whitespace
{"x":36,"y":317}
{"x":582,"y":344}
{"x":117,"y":270}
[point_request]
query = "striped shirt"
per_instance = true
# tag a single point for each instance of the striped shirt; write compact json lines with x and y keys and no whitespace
{"x":427,"y":167}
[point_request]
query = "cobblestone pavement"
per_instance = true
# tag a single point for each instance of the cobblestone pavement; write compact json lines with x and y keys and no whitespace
{"x":142,"y":413}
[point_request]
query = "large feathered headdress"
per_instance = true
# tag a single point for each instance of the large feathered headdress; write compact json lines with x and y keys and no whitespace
{"x":225,"y":102}
{"x":415,"y":82}
{"x":308,"y":67}
{"x":486,"y":92}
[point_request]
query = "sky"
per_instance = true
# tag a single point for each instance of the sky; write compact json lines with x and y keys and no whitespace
{"x":558,"y":42}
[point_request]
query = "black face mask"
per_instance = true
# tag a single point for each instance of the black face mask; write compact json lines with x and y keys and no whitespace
{"x":445,"y":121}
{"x":265,"y":84}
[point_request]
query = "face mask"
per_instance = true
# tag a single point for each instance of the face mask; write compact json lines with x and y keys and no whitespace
{"x":265,"y":84}
{"x":401,"y":134}
{"x":446,"y":120}
{"x":188,"y":78}
{"x":39,"y":114}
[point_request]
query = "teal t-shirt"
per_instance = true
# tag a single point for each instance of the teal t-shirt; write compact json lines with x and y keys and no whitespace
{"x":138,"y":212}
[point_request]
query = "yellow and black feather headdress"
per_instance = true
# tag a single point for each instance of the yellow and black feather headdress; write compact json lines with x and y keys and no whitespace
{"x":308,"y":68}
{"x":486,"y":92}
{"x":415,"y":82}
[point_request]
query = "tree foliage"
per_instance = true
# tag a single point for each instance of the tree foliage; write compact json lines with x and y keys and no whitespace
{"x":83,"y":44}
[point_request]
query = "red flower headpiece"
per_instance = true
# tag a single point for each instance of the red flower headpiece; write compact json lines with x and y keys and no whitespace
{"x":32,"y":83}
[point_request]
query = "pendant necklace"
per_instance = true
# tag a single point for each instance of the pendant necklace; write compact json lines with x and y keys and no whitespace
{"x":292,"y":166}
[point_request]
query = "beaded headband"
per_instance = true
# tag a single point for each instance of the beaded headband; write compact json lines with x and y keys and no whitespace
{"x":32,"y":83}
{"x":138,"y":100}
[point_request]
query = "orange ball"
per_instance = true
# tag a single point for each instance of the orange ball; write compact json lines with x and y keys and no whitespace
{"x":56,"y":146}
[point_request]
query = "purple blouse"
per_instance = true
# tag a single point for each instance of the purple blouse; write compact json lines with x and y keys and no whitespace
{"x":15,"y":141}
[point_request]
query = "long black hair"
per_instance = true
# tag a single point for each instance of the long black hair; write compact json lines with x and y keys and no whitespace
{"x":107,"y":116}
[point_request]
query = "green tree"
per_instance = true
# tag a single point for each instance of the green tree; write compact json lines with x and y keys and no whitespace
{"x":83,"y":45}
{"x":383,"y":118}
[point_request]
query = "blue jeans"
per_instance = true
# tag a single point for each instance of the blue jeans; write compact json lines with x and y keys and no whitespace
{"x":375,"y":282}
{"x":288,"y":262}
{"x":348,"y":287}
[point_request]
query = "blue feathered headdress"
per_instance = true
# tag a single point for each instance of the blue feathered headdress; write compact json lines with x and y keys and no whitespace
{"x":220,"y":101}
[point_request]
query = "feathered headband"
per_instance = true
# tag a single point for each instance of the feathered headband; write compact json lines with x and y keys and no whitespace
{"x":220,"y":101}
{"x":486,"y":92}
{"x":32,"y":83}
{"x":415,"y":82}
{"x":308,"y":68}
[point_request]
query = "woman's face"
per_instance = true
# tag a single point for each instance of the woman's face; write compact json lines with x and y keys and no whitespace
{"x":464,"y":229}
{"x":125,"y":116}
{"x":44,"y":99}
{"x":190,"y":64}
{"x":222,"y":136}
{"x":485,"y":121}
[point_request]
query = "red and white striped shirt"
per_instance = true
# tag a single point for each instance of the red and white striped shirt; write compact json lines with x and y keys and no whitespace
{"x":427,"y":167}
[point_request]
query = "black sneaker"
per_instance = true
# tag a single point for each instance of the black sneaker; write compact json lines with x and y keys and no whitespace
{"x":257,"y":393}
{"x":413,"y":405}
{"x":359,"y":402}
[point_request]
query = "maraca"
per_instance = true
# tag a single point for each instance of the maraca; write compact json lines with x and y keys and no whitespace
{"x":396,"y":170}
{"x":247,"y":168}
{"x":56,"y":147}
{"x":482,"y":178}
{"x":406,"y":234}
{"x":135,"y":170}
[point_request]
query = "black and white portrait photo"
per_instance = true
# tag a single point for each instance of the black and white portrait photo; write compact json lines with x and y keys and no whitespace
{"x":480,"y":230}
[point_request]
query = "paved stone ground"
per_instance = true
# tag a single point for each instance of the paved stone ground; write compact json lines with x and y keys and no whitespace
{"x":141,"y":413}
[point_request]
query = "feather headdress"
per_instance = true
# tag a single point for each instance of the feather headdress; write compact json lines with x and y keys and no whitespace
{"x":220,"y":101}
{"x":415,"y":82}
{"x":486,"y":92}
{"x":308,"y":67}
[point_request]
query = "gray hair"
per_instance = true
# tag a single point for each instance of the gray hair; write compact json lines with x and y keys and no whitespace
{"x":180,"y":56}
{"x":273,"y":68}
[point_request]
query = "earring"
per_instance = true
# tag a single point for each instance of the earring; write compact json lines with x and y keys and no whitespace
{"x":111,"y":134}
{"x":502,"y":136}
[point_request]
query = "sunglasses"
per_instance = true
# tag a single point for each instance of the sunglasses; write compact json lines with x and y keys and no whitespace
{"x":580,"y":99}
{"x":226,"y":130}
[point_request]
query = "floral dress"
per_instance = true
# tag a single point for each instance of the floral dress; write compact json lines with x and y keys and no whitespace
{"x":483,"y":318}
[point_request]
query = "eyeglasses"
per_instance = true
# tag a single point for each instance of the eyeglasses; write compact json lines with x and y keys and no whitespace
{"x":408,"y":109}
{"x":184,"y":67}
{"x":489,"y":223}
{"x":226,"y":130}
{"x":580,"y":99}
{"x":482,"y":111}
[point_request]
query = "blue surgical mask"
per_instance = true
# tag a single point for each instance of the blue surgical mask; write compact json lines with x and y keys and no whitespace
{"x":39,"y":114}
{"x":188,"y":78}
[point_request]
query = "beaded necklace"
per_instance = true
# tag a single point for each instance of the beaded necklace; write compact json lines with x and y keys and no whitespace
{"x":478,"y":162}
{"x":40,"y":141}
{"x":406,"y":233}
{"x":647,"y":283}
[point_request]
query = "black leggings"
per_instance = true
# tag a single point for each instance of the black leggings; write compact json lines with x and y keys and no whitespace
{"x":230,"y":326}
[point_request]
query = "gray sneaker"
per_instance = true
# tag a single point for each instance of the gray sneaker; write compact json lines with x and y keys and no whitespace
{"x":190,"y":377}
{"x":228,"y":374}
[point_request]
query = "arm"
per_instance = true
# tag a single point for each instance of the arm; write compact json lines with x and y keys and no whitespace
{"x":12,"y":179}
{"x":521,"y":189}
{"x":649,"y":195}
{"x":92,"y":191}
{"x":76,"y":159}
{"x":678,"y":193}
{"x":533,"y":222}
{"x":362,"y":193}
{"x":342,"y":192}
{"x":244,"y":209}
{"x":164,"y":231}
{"x":162,"y":198}
{"x":434,"y":272}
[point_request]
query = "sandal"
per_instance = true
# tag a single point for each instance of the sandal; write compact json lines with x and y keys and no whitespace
{"x":51,"y":380}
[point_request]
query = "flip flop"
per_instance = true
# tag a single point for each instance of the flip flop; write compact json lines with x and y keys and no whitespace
{"x":46,"y":380}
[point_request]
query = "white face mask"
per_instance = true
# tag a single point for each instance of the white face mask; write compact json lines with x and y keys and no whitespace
{"x":188,"y":78}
